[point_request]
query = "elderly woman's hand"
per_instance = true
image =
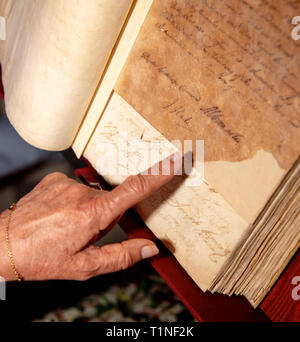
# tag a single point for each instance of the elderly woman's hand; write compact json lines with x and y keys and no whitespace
{"x":52,"y":228}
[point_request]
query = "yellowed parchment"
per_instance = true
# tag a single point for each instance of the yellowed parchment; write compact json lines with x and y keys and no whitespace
{"x":225,"y":72}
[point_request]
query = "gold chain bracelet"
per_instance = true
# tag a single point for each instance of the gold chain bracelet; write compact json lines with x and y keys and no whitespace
{"x":11,"y":209}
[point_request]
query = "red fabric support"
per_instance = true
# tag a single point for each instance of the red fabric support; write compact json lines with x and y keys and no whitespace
{"x":281,"y":304}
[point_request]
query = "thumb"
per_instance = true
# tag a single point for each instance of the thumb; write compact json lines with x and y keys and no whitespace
{"x":94,"y":260}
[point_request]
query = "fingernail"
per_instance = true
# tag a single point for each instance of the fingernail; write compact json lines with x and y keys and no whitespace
{"x":149,"y":251}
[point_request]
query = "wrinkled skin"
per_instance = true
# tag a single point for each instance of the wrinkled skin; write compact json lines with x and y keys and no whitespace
{"x":53,"y":227}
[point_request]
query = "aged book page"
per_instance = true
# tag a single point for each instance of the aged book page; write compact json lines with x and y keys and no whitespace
{"x":254,"y":267}
{"x":198,"y":226}
{"x":225,"y":72}
{"x":52,"y":60}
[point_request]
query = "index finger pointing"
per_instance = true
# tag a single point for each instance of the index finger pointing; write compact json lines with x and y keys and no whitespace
{"x":136,"y":188}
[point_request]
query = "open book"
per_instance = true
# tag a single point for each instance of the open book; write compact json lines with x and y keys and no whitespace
{"x":98,"y":73}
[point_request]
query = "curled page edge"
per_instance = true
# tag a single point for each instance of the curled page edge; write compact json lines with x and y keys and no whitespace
{"x":105,"y":89}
